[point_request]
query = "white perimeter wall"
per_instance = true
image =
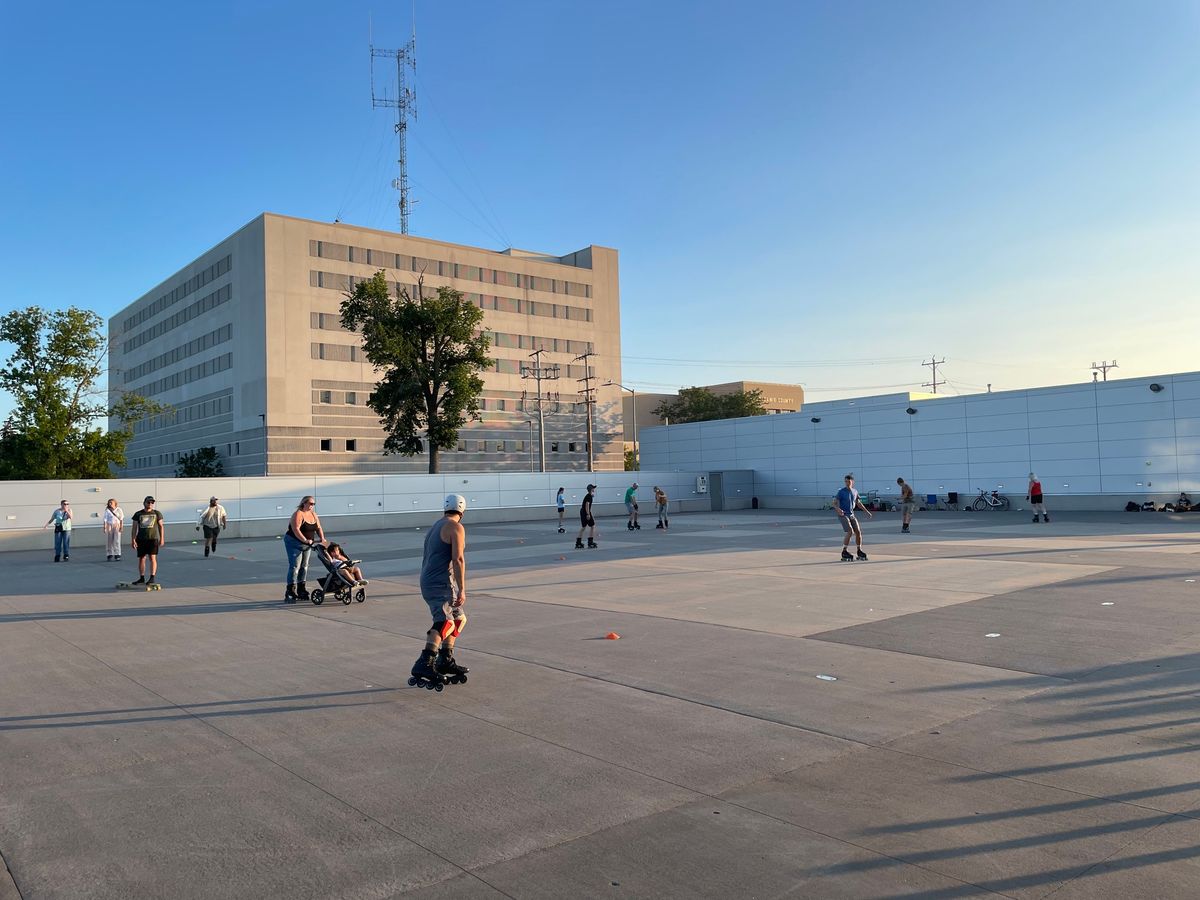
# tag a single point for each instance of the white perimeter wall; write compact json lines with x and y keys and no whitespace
{"x":259,"y":506}
{"x":1116,"y":438}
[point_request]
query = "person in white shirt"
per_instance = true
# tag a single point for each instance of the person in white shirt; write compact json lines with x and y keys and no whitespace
{"x":114,"y":524}
{"x":212,"y":520}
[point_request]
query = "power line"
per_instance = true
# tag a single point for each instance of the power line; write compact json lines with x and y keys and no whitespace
{"x":1103,"y":367}
{"x":934,"y":362}
{"x":589,"y":399}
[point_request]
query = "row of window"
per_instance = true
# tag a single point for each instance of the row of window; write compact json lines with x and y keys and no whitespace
{"x":419,"y":264}
{"x":181,"y":415}
{"x":337,"y":352}
{"x":165,"y":459}
{"x":187,"y":376}
{"x":333,"y":322}
{"x":336,"y":281}
{"x":201,"y":306}
{"x":351,"y":444}
{"x":348,"y":398}
{"x":193,"y":284}
{"x":191,"y":348}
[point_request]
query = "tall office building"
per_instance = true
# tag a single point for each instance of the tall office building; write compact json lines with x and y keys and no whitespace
{"x":246,"y":347}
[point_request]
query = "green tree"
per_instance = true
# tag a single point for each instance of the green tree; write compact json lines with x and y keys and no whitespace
{"x":201,"y":463}
{"x":54,"y":431}
{"x":430,"y":352}
{"x":696,"y":404}
{"x":630,"y":460}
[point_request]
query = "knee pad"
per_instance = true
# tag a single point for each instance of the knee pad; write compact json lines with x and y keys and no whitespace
{"x":444,"y":629}
{"x":459,"y":625}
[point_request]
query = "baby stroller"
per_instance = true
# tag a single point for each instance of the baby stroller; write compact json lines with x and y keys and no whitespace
{"x":337,"y":583}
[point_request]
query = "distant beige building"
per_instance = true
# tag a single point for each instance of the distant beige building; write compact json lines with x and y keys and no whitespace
{"x":245,"y":344}
{"x":777,"y":398}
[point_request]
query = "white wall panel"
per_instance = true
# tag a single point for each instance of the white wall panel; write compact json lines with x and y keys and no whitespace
{"x":999,"y":422}
{"x":1042,"y":453}
{"x":1146,"y":411}
{"x":923,"y":442}
{"x":995,"y":405}
{"x":1062,"y":398}
{"x":1085,"y":415}
{"x":1002,"y":438}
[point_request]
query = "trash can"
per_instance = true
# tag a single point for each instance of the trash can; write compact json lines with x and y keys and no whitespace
{"x":754,"y":503}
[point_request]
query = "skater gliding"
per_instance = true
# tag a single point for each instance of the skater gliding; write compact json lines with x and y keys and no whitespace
{"x":846,"y":503}
{"x":586,"y":522}
{"x":444,"y":589}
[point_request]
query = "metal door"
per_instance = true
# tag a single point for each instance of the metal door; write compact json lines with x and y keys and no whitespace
{"x":716,"y":491}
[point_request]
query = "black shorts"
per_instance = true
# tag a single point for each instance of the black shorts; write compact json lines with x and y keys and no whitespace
{"x":147,"y":548}
{"x":585,"y":520}
{"x":211,"y":531}
{"x":1035,"y":498}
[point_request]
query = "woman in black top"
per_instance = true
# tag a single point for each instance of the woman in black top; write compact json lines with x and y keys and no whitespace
{"x":585,"y":519}
{"x":303,"y":529}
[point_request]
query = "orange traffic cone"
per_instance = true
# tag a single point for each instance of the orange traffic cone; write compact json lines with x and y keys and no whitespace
{"x":612,"y":636}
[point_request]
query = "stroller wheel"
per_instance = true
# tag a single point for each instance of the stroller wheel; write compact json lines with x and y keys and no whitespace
{"x":317,"y":597}
{"x":345,"y":597}
{"x":360,"y":595}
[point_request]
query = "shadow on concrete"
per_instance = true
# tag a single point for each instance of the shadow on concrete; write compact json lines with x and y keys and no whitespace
{"x":121,"y":612}
{"x":175,"y":712}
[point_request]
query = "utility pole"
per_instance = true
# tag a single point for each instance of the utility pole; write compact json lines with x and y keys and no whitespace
{"x":399,"y":96}
{"x":933,"y":363}
{"x":589,"y":399}
{"x":1103,"y":368}
{"x":540,"y":373}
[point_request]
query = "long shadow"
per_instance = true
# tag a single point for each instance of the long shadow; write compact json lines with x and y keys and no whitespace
{"x":183,"y":711}
{"x":124,"y":612}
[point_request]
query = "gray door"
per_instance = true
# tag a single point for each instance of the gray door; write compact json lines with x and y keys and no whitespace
{"x":716,"y":491}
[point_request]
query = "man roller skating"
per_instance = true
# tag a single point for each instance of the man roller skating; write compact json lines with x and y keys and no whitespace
{"x":444,"y":589}
{"x":586,"y":522}
{"x":845,"y":504}
{"x":631,"y":506}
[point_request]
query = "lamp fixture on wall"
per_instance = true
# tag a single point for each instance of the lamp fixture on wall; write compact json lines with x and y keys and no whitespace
{"x":911,"y":411}
{"x":1156,"y":387}
{"x":815,"y":419}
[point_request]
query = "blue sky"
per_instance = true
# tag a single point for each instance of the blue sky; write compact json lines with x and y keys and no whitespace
{"x":822,"y":193}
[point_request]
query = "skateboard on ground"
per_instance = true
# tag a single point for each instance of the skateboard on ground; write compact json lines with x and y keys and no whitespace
{"x":130,"y":586}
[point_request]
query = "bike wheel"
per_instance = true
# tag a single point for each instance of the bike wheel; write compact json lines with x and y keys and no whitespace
{"x":979,"y":504}
{"x":1004,"y":503}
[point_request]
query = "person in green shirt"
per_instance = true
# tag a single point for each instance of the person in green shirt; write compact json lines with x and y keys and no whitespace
{"x":631,"y":505}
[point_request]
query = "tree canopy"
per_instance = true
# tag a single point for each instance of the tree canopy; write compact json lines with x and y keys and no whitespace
{"x":204,"y":462}
{"x":430,"y":352}
{"x":54,"y":431}
{"x":697,"y":404}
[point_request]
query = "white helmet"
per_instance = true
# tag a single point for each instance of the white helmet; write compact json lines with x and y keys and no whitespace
{"x":455,"y":503}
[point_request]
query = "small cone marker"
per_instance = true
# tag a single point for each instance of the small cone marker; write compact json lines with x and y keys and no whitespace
{"x":612,"y":636}
{"x":562,"y":557}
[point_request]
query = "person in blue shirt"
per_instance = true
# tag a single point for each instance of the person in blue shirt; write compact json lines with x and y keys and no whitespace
{"x":846,"y":503}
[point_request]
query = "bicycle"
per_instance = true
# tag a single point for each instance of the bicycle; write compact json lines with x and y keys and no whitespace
{"x":994,"y":500}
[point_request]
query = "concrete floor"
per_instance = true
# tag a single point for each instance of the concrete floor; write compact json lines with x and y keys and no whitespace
{"x":1016,"y":712}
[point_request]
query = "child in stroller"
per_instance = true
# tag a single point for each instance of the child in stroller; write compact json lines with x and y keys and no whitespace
{"x":345,"y":579}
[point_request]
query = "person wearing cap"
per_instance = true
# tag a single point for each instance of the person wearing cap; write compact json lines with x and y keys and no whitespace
{"x":444,"y":589}
{"x":149,"y":535}
{"x":631,"y":506}
{"x":212,"y":520}
{"x":586,"y":521}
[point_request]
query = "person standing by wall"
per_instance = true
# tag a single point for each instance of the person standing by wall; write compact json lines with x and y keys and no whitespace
{"x":303,"y":530}
{"x":61,"y":520}
{"x":149,"y":536}
{"x":906,"y":505}
{"x":846,"y":503}
{"x":114,"y":524}
{"x":444,"y":590}
{"x":631,"y":506}
{"x":212,"y":520}
{"x":660,"y":501}
{"x":1036,"y":499}
{"x":586,"y":521}
{"x":561,"y":502}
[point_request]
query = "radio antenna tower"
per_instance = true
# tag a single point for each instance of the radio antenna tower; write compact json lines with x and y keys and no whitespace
{"x":394,"y":93}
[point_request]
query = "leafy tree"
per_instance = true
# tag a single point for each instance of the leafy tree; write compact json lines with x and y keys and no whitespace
{"x":696,"y":404}
{"x":630,"y":460}
{"x":202,"y":463}
{"x":57,"y":359}
{"x":430,"y":351}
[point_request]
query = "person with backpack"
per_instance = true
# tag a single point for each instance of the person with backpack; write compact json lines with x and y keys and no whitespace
{"x":1036,"y":498}
{"x":149,"y":536}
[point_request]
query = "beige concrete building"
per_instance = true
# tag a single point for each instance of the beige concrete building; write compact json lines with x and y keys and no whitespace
{"x":777,"y":398}
{"x":245,"y":345}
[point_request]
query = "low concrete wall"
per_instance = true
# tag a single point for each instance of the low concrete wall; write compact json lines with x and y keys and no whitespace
{"x":261,"y":507}
{"x":1066,"y":503}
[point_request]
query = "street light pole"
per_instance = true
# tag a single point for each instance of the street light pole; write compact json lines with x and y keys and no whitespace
{"x":637,"y":457}
{"x":529,"y":422}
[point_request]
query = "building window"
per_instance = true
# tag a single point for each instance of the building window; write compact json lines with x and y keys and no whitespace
{"x":237,"y":448}
{"x":480,"y":446}
{"x":351,"y":398}
{"x":554,"y":446}
{"x":327,"y":445}
{"x":499,"y":446}
{"x":518,"y":446}
{"x":326,"y":396}
{"x":571,"y":447}
{"x":462,"y":446}
{"x":352,"y":445}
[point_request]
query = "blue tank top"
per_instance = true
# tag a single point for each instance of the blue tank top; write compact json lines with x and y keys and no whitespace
{"x":435,"y":564}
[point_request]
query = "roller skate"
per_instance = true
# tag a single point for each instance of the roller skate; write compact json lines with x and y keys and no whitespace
{"x":592,"y":545}
{"x":562,"y":530}
{"x":1036,"y":519}
{"x":302,"y":591}
{"x":861,"y":556}
{"x":846,"y":557}
{"x":449,"y":669}
{"x":289,"y":595}
{"x":578,"y":543}
{"x":1047,"y":518}
{"x":629,"y":525}
{"x":659,"y":525}
{"x":637,"y":526}
{"x":904,"y":529}
{"x":667,"y":524}
{"x":425,"y":673}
